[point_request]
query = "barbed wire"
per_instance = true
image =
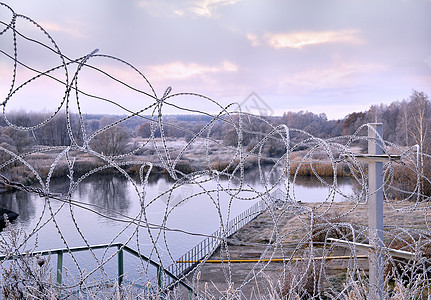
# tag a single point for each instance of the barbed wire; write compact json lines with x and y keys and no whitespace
{"x":296,"y":242}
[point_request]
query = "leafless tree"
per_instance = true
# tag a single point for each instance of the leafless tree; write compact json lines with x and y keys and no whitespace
{"x":144,"y":130}
{"x":111,"y":141}
{"x":419,"y":113}
{"x":419,"y":124}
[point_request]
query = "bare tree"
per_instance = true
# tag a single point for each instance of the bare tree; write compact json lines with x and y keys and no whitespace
{"x":111,"y":141}
{"x":144,"y":130}
{"x":419,"y":113}
{"x":402,"y":121}
{"x":419,"y":122}
{"x":18,"y":139}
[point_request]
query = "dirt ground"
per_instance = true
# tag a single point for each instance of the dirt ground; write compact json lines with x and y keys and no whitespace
{"x":277,"y":244}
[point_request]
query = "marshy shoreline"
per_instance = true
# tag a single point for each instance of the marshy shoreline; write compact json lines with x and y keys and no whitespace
{"x":199,"y":156}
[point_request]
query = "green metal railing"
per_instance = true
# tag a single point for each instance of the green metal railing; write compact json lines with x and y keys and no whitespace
{"x":120,"y":263}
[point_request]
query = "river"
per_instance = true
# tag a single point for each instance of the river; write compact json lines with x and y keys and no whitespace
{"x":106,"y":204}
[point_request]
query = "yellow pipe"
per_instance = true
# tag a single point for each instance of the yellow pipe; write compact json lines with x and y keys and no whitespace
{"x":266,"y":259}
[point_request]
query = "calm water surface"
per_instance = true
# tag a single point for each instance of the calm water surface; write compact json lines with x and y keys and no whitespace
{"x":110,"y":202}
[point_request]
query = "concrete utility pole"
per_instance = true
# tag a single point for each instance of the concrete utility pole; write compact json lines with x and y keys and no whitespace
{"x":375,"y":211}
{"x":375,"y":159}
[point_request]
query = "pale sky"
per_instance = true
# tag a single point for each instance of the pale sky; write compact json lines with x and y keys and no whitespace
{"x":326,"y":56}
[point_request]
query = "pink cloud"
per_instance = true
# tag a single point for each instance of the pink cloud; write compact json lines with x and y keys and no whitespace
{"x":180,"y":71}
{"x":302,"y":39}
{"x":337,"y":76}
{"x":71,"y":29}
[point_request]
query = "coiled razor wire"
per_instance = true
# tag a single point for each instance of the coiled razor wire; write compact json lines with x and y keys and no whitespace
{"x":299,"y":238}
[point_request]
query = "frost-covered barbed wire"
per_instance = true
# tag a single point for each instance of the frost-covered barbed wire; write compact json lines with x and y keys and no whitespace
{"x":298,"y":234}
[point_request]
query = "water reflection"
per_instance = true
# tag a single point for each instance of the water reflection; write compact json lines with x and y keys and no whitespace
{"x":107,"y":192}
{"x":267,"y":175}
{"x":114,"y":194}
{"x":201,"y":214}
{"x":313,"y":182}
{"x":19,"y":202}
{"x":175,"y":194}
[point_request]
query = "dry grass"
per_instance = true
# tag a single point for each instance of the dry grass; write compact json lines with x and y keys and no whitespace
{"x":406,"y":226}
{"x":322,"y":169}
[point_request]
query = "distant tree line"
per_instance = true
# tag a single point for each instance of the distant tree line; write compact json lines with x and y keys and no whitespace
{"x":405,"y":123}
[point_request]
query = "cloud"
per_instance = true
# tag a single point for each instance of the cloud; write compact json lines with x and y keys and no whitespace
{"x":254,"y":39}
{"x":182,"y":71}
{"x":70,"y":29}
{"x":160,"y":8}
{"x":307,"y":38}
{"x":335,"y":77}
{"x":207,"y":8}
{"x":179,"y":12}
{"x":201,"y":8}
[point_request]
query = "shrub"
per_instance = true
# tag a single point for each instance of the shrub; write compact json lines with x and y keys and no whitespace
{"x":23,"y":276}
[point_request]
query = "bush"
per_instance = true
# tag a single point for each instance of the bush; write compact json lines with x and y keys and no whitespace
{"x":23,"y":276}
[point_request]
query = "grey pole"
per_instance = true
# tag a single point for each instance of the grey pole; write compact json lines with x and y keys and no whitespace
{"x":375,"y":211}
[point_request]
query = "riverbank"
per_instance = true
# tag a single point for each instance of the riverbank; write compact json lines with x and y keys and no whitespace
{"x":198,"y":156}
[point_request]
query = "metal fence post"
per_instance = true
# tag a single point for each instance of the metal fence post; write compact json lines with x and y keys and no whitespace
{"x":159,"y":277}
{"x":120,"y":265}
{"x":59,"y":266}
{"x":375,"y":211}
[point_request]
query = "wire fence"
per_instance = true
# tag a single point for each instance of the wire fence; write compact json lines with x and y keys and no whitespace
{"x":288,"y":246}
